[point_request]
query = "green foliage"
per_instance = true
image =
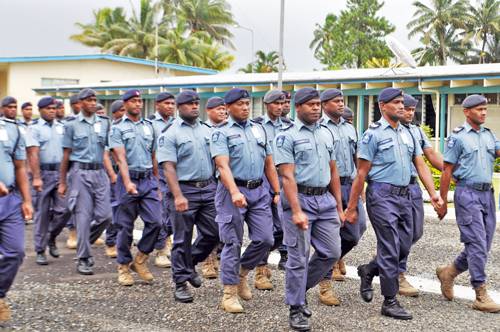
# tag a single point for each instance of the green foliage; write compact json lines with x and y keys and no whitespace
{"x":497,"y":165}
{"x":190,"y":32}
{"x":265,"y":63}
{"x":352,"y":38}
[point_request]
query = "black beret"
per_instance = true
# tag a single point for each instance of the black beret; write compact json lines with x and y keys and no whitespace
{"x":287,"y":94}
{"x":59,"y":103}
{"x":86,"y":93}
{"x":347,"y":113}
{"x":473,"y":101}
{"x":99,"y":107}
{"x":186,"y":96}
{"x":389,"y":94}
{"x":26,"y":104}
{"x":409,"y":101}
{"x":46,"y":101}
{"x":214,"y":102}
{"x":235,"y":94}
{"x":329,"y":94}
{"x":116,"y":105}
{"x":273,"y":95}
{"x":131,"y":94}
{"x":304,"y":95}
{"x":164,"y":96}
{"x":8,"y":100}
{"x":73,"y":99}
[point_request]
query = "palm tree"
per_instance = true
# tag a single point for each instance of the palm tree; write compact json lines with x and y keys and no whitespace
{"x":431,"y":53}
{"x":381,"y":63}
{"x":482,"y":23}
{"x":435,"y":22}
{"x":265,"y":63}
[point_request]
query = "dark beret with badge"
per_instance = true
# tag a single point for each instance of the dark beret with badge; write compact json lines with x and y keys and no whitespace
{"x":214,"y":102}
{"x":303,"y":95}
{"x":131,"y":94}
{"x":86,"y":93}
{"x":388,"y":94}
{"x":164,"y":96}
{"x":329,"y":94}
{"x":288,"y":95}
{"x":186,"y":97}
{"x":8,"y":100}
{"x":473,"y":101}
{"x":235,"y":94}
{"x":45,"y":102}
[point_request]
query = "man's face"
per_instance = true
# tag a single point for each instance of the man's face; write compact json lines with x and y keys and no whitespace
{"x":119,"y":114}
{"x":10,"y":111}
{"x":76,"y":107}
{"x":240,"y":110}
{"x":477,"y":115}
{"x":275,"y":109}
{"x":286,"y":107}
{"x":310,"y":111}
{"x":394,"y":109}
{"x":48,"y":113}
{"x":408,"y":115}
{"x":334,"y":107}
{"x":217,"y":114}
{"x":27,"y":112}
{"x":133,"y":106}
{"x":89,"y":104}
{"x":60,"y":111}
{"x":189,"y":111}
{"x":166,"y":107}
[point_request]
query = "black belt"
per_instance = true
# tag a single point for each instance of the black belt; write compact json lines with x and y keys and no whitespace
{"x":50,"y":167}
{"x":197,"y":184}
{"x":345,"y":180}
{"x":395,"y":190}
{"x":311,"y":191}
{"x":138,"y":175}
{"x":89,"y":166}
{"x":413,"y":180}
{"x":249,"y":184}
{"x":475,"y":185}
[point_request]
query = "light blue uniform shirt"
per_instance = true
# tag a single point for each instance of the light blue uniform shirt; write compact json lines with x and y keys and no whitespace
{"x":346,"y":140}
{"x":421,"y":139}
{"x":391,"y":152}
{"x":12,"y":147}
{"x":273,"y":128}
{"x":472,"y":152}
{"x":86,"y":137}
{"x":138,"y":140}
{"x":189,"y":147}
{"x":246,"y":147}
{"x":48,"y":137}
{"x":310,"y":148}
{"x":159,"y":124}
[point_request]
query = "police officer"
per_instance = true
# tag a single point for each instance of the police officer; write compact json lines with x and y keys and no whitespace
{"x":27,"y":113}
{"x":9,"y":108}
{"x":305,"y":155}
{"x":45,"y":151}
{"x":242,"y":157}
{"x":386,"y":153}
{"x":13,"y":209}
{"x":273,"y":123}
{"x":184,"y":150}
{"x":75,"y":104}
{"x":469,"y":157}
{"x":60,"y":111}
{"x":346,"y":140}
{"x":417,"y":202}
{"x":84,"y":142}
{"x":348,"y":115}
{"x":287,"y":105}
{"x":132,"y":143}
{"x":117,"y":112}
{"x":163,"y":117}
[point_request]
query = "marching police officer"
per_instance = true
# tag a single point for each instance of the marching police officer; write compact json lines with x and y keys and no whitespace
{"x":45,"y":151}
{"x":84,"y":142}
{"x":273,"y":123}
{"x":216,"y":111}
{"x":287,"y":105}
{"x":184,"y":150}
{"x":9,"y":108}
{"x":132,"y":143}
{"x":346,"y":140}
{"x":75,"y":104}
{"x":305,"y":155}
{"x":242,"y":157}
{"x":60,"y":111}
{"x":469,"y":157}
{"x":348,"y":115}
{"x":27,"y":113}
{"x":163,"y":117}
{"x":386,"y":153}
{"x":410,"y":103}
{"x":13,"y":209}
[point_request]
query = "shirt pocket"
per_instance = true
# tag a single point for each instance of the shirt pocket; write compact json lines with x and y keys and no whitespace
{"x":303,"y":153}
{"x":491,"y":151}
{"x":186,"y":147}
{"x":8,"y":146}
{"x":469,"y":152}
{"x":81,"y":141}
{"x":235,"y":144}
{"x":386,"y":151}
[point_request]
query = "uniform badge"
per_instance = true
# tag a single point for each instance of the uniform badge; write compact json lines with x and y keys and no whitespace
{"x":366,"y":138}
{"x":215,"y":136}
{"x":451,"y":142}
{"x":280,"y":140}
{"x":161,"y":141}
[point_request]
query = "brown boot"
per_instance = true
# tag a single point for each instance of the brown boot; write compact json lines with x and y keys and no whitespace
{"x":484,"y":302}
{"x":326,"y":294}
{"x":446,"y":275}
{"x":124,"y":276}
{"x":262,"y":281}
{"x":161,"y":258}
{"x":208,"y":268}
{"x":71,"y":241}
{"x":243,"y":289}
{"x":140,"y":266}
{"x":5,"y":313}
{"x":99,"y":242}
{"x":111,"y":251}
{"x":405,"y":288}
{"x":337,"y":273}
{"x":230,"y":302}
{"x":342,"y":266}
{"x":168,"y":245}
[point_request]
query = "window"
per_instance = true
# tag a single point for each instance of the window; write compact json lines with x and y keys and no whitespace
{"x":459,"y":98}
{"x":492,"y":98}
{"x":59,"y":81}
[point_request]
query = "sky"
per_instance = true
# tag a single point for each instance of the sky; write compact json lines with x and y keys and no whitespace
{"x":42,"y":28}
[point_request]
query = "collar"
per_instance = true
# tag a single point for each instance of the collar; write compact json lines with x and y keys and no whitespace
{"x":126,"y":118}
{"x":160,"y":118}
{"x":231,"y":122}
{"x":327,"y":119}
{"x":468,"y":127}
{"x":384,"y":124}
{"x":93,"y":119}
{"x":181,"y":122}
{"x":276,"y":123}
{"x":301,"y":125}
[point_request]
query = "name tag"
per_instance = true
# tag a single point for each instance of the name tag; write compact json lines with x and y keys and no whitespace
{"x":60,"y":130}
{"x":3,"y":135}
{"x":256,"y":132}
{"x":146,"y":130}
{"x":97,"y":127}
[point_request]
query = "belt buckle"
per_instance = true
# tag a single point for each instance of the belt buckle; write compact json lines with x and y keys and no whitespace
{"x":198,"y":184}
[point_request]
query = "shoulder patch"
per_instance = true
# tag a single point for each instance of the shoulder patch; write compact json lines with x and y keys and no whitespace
{"x":166,"y":128}
{"x":259,"y":119}
{"x":458,"y":129}
{"x":215,"y":136}
{"x":451,"y":141}
{"x":280,"y":140}
{"x":375,"y":125}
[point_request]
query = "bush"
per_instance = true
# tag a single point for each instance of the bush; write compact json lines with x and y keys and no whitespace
{"x":497,"y":166}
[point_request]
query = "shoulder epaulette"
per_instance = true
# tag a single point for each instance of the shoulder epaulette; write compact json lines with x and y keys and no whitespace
{"x":148,"y":121}
{"x":458,"y":129}
{"x":206,"y":124}
{"x":168,"y":126}
{"x":286,"y":120}
{"x":321,"y":120}
{"x":375,"y":125}
{"x":117,"y":121}
{"x":488,"y":129}
{"x":259,"y":119}
{"x":151,"y":117}
{"x":70,"y":118}
{"x":10,"y":120}
{"x":103,"y":116}
{"x":34,"y":122}
{"x":222,"y":124}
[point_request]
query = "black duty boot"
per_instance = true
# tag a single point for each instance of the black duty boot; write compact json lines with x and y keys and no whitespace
{"x":195,"y":280}
{"x":306,"y":311}
{"x":53,"y":251}
{"x":283,"y":259}
{"x":41,"y":259}
{"x":365,"y":287}
{"x":392,"y":308}
{"x":297,"y":320}
{"x":182,"y":293}
{"x":83,"y":267}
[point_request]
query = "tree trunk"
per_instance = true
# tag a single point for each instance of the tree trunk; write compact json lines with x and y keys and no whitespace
{"x":481,"y":56}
